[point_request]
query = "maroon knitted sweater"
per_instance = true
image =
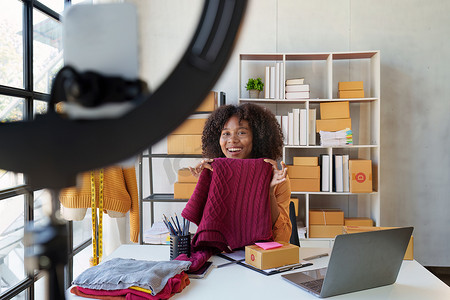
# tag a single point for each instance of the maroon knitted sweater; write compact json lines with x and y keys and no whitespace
{"x":231,"y":205}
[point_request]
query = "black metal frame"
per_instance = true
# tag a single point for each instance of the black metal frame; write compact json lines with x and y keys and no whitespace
{"x":30,"y":95}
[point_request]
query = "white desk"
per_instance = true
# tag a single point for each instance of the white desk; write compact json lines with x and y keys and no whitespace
{"x":237,"y":282}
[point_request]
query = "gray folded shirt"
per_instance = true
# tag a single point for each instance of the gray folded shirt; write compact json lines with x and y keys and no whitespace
{"x":121,"y":273}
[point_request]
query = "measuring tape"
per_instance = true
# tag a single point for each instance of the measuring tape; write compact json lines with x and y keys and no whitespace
{"x":97,"y":251}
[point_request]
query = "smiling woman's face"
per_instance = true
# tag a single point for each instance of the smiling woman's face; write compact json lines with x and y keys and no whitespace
{"x":236,"y":139}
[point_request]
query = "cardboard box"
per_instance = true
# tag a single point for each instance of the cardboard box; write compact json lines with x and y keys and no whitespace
{"x":360,"y":172}
{"x":333,"y":124}
{"x":325,"y":231}
{"x":210,"y":102}
{"x":351,"y":94}
{"x":184,"y":144}
{"x":306,"y":161}
{"x":191,"y":126}
{"x":334,"y":110}
{"x":326,"y":217}
{"x":184,"y":175}
{"x":183,"y":190}
{"x":409,"y":254}
{"x":295,"y":200}
{"x":350,"y":85}
{"x":305,"y":184}
{"x":303,"y":172}
{"x":272,"y":258}
{"x":367,"y":222}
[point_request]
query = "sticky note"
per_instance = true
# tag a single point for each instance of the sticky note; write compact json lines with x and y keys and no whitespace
{"x":268,"y":245}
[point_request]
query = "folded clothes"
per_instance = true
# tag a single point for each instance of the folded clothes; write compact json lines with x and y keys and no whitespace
{"x":120,"y":273}
{"x":174,"y":285}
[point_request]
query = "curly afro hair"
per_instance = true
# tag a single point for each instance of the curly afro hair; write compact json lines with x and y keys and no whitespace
{"x":267,"y":135}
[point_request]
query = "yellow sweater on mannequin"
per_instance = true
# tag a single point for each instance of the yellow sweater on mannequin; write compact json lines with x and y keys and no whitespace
{"x":120,"y":194}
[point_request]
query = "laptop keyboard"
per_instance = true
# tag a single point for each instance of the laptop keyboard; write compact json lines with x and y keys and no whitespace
{"x":314,"y":285}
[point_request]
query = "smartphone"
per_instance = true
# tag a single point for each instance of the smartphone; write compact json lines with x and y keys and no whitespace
{"x":202,"y":272}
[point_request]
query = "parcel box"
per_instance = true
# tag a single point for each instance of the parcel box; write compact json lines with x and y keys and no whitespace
{"x":326,"y":217}
{"x":295,"y":201}
{"x":350,"y":85}
{"x":209,"y":104}
{"x":358,"y":222}
{"x":360,"y":172}
{"x":334,"y":110}
{"x":191,"y":126}
{"x":409,"y":254}
{"x":333,"y":124}
{"x":303,"y":172}
{"x":183,"y":190}
{"x":306,"y":161}
{"x":184,"y":175}
{"x":272,"y":258}
{"x":305,"y":184}
{"x":351,"y":94}
{"x":184,"y":144}
{"x":325,"y":231}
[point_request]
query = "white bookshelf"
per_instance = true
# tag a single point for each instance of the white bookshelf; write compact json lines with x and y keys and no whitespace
{"x":322,"y":71}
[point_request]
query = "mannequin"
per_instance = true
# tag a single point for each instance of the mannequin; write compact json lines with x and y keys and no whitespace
{"x":118,"y":187}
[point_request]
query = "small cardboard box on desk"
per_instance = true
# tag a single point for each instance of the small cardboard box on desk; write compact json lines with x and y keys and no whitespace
{"x":272,"y":258}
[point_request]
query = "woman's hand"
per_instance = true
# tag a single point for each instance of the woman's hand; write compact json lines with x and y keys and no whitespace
{"x":203,"y":164}
{"x":278,"y":175}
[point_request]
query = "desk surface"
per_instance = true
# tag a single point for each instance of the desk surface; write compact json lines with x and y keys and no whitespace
{"x":237,"y":282}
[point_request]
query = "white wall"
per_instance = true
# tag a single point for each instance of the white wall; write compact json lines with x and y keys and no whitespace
{"x":413,"y":38}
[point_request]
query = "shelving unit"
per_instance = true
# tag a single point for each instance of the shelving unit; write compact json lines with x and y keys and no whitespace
{"x":323,"y":71}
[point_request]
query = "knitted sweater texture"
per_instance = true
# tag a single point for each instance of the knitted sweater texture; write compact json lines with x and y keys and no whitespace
{"x":231,"y":204}
{"x":120,"y":194}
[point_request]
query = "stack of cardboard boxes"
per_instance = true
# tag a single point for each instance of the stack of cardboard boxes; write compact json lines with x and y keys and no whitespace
{"x":185,"y":185}
{"x":325,"y":223}
{"x":187,"y":138}
{"x":334,"y":116}
{"x":304,"y":174}
{"x":350,"y":89}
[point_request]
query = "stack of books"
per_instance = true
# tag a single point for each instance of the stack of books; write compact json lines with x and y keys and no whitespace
{"x":296,"y":89}
{"x":295,"y":129}
{"x":274,"y":81}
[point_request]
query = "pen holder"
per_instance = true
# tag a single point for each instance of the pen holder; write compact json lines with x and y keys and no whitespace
{"x":180,"y":245}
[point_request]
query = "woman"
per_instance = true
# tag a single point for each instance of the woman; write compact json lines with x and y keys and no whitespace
{"x":250,"y":131}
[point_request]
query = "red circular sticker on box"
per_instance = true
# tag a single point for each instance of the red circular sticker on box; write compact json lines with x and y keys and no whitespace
{"x":360,"y":177}
{"x":252,"y":257}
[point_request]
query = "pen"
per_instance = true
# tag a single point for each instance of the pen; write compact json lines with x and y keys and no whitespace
{"x":293,"y":267}
{"x":316,"y":256}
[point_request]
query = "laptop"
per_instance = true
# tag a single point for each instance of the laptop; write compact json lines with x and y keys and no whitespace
{"x":358,"y":261}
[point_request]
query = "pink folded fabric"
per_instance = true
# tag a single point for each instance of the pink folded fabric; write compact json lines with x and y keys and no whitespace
{"x":175,"y":285}
{"x":197,"y":259}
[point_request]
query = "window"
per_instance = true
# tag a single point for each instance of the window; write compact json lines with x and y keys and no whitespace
{"x":30,"y":57}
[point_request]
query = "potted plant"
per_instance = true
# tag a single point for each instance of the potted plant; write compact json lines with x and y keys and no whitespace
{"x":254,"y":86}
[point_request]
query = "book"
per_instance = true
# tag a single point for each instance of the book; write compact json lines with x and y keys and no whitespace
{"x":338,"y":174}
{"x":297,"y":95}
{"x":267,"y":83}
{"x":272,"y":83}
{"x":281,"y":83}
{"x":290,"y":129}
{"x":312,"y":127}
{"x":297,"y":88}
{"x":295,"y":81}
{"x":296,"y":114}
{"x":324,"y":161}
{"x":277,"y":80}
{"x":303,"y":127}
{"x":284,"y":128}
{"x":278,"y":119}
{"x":345,"y":178}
